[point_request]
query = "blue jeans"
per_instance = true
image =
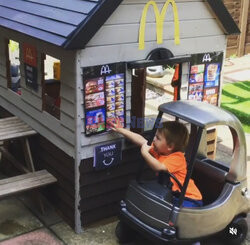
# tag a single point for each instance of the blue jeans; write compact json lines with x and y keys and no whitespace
{"x":188,"y":202}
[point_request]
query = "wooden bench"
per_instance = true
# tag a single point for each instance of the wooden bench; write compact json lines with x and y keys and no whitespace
{"x":12,"y":128}
{"x":25,"y":182}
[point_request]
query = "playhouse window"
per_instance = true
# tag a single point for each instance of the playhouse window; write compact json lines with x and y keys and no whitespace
{"x":151,"y":87}
{"x":13,"y":67}
{"x":51,"y":86}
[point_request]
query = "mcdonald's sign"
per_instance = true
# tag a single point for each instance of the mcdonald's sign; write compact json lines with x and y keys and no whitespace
{"x":159,"y":19}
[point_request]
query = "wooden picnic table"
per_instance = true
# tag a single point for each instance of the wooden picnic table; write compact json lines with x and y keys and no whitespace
{"x":13,"y":128}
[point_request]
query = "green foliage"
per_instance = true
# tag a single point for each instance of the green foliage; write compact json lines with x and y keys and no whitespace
{"x":236,"y":98}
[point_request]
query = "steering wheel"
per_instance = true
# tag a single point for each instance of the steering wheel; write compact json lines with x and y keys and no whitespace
{"x":164,"y":179}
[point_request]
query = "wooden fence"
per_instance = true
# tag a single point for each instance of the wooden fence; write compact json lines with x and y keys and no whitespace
{"x":240,"y":11}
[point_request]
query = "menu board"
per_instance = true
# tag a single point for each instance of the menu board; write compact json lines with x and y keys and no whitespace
{"x":204,"y":79}
{"x":30,"y":66}
{"x":104,"y":96}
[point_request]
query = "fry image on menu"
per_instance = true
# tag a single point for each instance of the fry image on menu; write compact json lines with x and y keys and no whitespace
{"x":95,"y":121}
{"x":212,"y":75}
{"x":211,"y":95}
{"x":115,"y":97}
{"x":195,"y":91}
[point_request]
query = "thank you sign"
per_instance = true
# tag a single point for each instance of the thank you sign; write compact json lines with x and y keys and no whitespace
{"x":107,"y":155}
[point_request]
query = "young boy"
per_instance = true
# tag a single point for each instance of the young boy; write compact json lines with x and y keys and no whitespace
{"x":166,"y":153}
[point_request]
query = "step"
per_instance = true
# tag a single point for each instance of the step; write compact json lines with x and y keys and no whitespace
{"x":24,"y":182}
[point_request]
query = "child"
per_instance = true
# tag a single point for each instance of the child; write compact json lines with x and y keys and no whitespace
{"x":166,"y":153}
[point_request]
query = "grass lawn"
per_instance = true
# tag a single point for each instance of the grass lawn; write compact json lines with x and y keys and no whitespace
{"x":236,"y":98}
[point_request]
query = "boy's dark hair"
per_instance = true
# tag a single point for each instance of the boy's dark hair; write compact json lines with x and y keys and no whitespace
{"x":175,"y":133}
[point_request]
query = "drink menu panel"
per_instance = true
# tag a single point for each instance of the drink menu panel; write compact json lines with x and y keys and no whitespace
{"x":204,"y":79}
{"x":104,"y":96}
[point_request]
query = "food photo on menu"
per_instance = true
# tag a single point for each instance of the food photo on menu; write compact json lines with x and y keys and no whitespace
{"x":94,"y":85}
{"x":196,"y":78}
{"x":95,"y":121}
{"x":195,"y":91}
{"x":94,"y":100}
{"x":212,"y":75}
{"x":197,"y":68}
{"x":211,"y":95}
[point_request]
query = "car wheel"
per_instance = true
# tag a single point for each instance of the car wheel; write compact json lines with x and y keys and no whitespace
{"x":236,"y":232}
{"x":124,"y":233}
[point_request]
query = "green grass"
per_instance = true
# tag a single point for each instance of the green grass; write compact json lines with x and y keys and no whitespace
{"x":236,"y":98}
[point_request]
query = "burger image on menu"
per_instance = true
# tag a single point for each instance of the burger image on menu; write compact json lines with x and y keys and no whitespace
{"x":94,"y":100}
{"x":94,"y":85}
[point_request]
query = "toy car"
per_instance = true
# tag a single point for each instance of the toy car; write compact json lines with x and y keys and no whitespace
{"x":148,"y":208}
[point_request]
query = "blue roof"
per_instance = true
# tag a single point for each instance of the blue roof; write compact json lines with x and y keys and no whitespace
{"x":72,"y":23}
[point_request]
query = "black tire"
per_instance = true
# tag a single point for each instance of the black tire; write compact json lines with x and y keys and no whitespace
{"x":236,"y":232}
{"x":124,"y":233}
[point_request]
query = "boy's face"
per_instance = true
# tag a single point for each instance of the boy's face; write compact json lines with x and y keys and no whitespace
{"x":160,"y":144}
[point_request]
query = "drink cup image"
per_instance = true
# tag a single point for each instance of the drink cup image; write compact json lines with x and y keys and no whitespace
{"x":211,"y":72}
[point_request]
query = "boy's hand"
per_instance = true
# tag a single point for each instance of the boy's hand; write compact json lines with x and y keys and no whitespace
{"x":145,"y":148}
{"x":115,"y":125}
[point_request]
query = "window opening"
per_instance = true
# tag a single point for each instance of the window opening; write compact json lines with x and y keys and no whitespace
{"x":14,"y":78}
{"x":151,"y":87}
{"x":51,"y":85}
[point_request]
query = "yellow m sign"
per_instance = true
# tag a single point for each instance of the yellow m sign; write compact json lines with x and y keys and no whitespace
{"x":159,"y":19}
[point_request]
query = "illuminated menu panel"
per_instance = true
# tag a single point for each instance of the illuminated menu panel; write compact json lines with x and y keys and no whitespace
{"x":104,"y":96}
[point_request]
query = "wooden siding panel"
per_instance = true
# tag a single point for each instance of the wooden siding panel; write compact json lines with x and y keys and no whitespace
{"x":186,"y":11}
{"x":67,"y":92}
{"x":3,"y":70}
{"x":101,"y":191}
{"x":31,"y":98}
{"x":41,"y":122}
{"x":128,"y":33}
{"x":28,"y":105}
{"x":67,"y":121}
{"x":130,"y":52}
{"x":3,"y":81}
{"x":61,"y":195}
{"x":67,"y":107}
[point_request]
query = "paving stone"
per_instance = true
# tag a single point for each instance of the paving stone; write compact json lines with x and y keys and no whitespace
{"x":49,"y":217}
{"x":101,"y":235}
{"x":39,"y":237}
{"x":15,"y":219}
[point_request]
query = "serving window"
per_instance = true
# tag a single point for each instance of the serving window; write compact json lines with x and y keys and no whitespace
{"x":152,"y":86}
{"x":104,"y":96}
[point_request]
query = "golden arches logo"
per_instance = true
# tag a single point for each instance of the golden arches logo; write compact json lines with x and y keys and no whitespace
{"x":159,"y":19}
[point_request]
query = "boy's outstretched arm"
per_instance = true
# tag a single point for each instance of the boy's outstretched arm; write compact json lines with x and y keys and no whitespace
{"x":151,"y":161}
{"x":134,"y":137}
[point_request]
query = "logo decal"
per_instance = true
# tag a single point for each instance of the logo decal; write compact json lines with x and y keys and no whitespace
{"x":105,"y":70}
{"x":159,"y":19}
{"x":206,"y":58}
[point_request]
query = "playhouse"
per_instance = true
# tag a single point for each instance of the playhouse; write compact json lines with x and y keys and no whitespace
{"x":68,"y":67}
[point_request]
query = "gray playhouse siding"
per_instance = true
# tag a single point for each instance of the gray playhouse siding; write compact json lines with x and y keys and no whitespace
{"x":28,"y":106}
{"x":117,"y":40}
